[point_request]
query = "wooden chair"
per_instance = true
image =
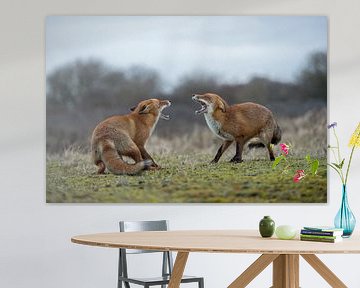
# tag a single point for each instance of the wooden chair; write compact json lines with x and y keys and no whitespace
{"x":167,"y":262}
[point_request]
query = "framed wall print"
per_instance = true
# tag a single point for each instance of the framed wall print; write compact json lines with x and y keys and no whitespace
{"x":186,"y":109}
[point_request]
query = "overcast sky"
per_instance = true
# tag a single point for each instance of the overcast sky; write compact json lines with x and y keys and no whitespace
{"x":233,"y":48}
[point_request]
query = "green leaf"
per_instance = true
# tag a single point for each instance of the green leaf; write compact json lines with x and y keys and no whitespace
{"x":314,"y":167}
{"x":278,"y":160}
{"x":342,"y":163}
{"x":336,"y":165}
{"x":308,"y":158}
{"x":332,"y":166}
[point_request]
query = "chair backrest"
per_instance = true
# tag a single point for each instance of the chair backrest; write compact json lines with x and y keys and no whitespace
{"x":134,"y":226}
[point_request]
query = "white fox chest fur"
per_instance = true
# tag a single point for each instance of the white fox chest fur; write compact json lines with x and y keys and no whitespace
{"x":153,"y":127}
{"x":215,"y":127}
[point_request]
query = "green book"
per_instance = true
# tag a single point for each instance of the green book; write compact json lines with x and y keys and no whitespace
{"x":321,"y":233}
{"x":323,"y":228}
{"x":325,"y":240}
{"x":319,"y":236}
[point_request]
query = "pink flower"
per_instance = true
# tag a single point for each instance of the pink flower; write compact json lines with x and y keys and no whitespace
{"x":284,"y":148}
{"x":300,"y":174}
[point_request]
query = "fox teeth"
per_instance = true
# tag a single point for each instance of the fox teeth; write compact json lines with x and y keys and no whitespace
{"x":165,"y":117}
{"x":203,"y":109}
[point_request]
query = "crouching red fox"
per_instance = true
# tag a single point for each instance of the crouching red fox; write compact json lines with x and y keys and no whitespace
{"x":126,"y":135}
{"x":238,"y":123}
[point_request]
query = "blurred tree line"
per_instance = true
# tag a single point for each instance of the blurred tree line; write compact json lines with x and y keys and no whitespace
{"x":81,"y":94}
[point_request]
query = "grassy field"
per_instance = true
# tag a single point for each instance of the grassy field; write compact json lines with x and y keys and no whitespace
{"x":187,"y":176}
{"x":183,"y":178}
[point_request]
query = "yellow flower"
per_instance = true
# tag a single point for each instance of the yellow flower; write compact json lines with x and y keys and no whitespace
{"x":355,"y":138}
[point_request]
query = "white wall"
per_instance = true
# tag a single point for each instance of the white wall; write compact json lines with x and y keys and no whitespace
{"x":35,"y":248}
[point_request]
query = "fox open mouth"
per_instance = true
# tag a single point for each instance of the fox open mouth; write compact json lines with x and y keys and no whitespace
{"x":165,"y":117}
{"x":203,"y":108}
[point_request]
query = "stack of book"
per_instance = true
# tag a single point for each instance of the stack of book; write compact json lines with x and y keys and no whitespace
{"x":321,"y":234}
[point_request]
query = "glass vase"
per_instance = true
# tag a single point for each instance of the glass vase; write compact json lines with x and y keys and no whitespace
{"x":345,"y":219}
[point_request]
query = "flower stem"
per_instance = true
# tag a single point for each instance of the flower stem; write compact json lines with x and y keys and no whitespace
{"x":339,"y":160}
{"x":348,"y":167}
{"x":351,"y":155}
{"x":337,"y":171}
{"x":333,"y":152}
{"x":337,"y":142}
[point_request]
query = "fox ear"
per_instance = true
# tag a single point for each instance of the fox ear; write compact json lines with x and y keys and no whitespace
{"x":133,"y":108}
{"x":144,"y":109}
{"x":222,"y":106}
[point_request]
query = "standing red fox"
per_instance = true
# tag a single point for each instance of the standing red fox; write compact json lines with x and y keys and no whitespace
{"x":239,"y":123}
{"x":126,"y":135}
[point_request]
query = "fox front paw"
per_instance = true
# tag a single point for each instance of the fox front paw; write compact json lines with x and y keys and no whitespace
{"x":236,"y":160}
{"x":101,"y":167}
{"x":153,"y":167}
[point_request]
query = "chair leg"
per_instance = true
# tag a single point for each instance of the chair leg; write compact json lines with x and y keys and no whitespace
{"x":120,"y":273}
{"x":201,"y":283}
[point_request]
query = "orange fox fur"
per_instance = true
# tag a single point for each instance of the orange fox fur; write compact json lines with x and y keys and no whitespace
{"x":126,"y":135}
{"x":238,"y":123}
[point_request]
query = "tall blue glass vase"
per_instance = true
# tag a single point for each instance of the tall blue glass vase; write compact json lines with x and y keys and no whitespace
{"x":345,"y":219}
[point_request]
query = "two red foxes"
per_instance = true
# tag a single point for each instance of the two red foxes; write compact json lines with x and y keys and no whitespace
{"x":126,"y":135}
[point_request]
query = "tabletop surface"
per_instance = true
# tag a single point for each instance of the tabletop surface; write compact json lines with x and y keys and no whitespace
{"x":217,"y":241}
